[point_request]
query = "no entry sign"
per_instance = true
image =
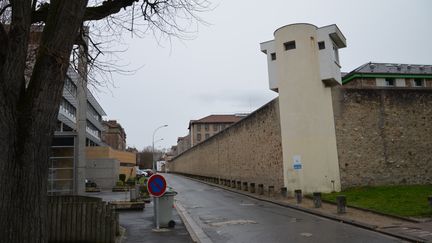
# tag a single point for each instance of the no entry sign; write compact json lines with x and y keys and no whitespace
{"x":156,"y":185}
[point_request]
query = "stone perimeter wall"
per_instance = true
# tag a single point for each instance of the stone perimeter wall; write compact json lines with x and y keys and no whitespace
{"x":248,"y":151}
{"x":384,"y":136}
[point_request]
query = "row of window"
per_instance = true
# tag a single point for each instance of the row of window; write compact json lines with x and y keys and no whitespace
{"x":92,"y":111}
{"x":92,"y":130}
{"x":199,"y":136}
{"x":68,"y":108}
{"x":290,"y":45}
{"x":418,"y":82}
{"x":216,"y":127}
{"x":70,"y":86}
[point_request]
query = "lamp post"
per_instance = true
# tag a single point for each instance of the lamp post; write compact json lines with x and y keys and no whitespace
{"x":156,"y":199}
{"x":153,"y":143}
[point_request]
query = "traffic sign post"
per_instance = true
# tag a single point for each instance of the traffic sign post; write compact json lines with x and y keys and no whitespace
{"x":156,"y":186}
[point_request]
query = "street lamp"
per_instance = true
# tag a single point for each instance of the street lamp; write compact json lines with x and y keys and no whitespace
{"x":153,"y":143}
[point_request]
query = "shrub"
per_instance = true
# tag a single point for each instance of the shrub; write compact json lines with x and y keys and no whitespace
{"x":119,"y":183}
{"x":131,"y":181}
{"x":122,"y":177}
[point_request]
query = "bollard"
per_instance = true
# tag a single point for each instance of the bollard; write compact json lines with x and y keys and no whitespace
{"x":245,"y":186}
{"x":233,"y":183}
{"x":132,"y":195}
{"x":317,"y":199}
{"x":430,"y":200}
{"x":271,"y":191}
{"x":298,"y":195}
{"x":260,"y":189}
{"x":341,"y":204}
{"x":284,"y":192}
{"x":252,"y":187}
{"x":239,"y":185}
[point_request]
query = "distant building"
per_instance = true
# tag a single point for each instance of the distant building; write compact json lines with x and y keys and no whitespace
{"x":389,"y":75}
{"x":114,"y":135}
{"x":202,"y":129}
{"x":183,"y":144}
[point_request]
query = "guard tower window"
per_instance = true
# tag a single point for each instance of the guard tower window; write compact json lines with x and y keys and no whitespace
{"x":390,"y":82}
{"x":273,"y":56}
{"x":290,"y":45}
{"x":321,"y":45}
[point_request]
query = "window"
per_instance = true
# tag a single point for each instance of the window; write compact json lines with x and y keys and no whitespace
{"x":68,"y":108}
{"x":223,"y":126}
{"x":418,"y":82}
{"x":273,"y":56}
{"x":198,"y":127}
{"x":321,"y":45}
{"x":206,"y":127}
{"x":70,"y":86}
{"x":215,"y":127}
{"x":390,"y":82}
{"x":290,"y":45}
{"x":207,"y":136}
{"x":93,"y":112}
{"x":198,"y":137}
{"x":336,"y":53}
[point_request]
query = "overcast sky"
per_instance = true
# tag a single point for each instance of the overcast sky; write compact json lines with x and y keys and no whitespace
{"x":222,"y":70}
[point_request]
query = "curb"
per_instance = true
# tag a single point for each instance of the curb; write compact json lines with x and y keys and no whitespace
{"x":373,"y":211}
{"x":317,"y":213}
{"x":195,"y":231}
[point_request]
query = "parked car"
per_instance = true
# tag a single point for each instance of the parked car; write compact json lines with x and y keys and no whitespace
{"x":90,"y":183}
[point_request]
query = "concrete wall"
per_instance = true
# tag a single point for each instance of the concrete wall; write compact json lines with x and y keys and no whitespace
{"x":249,"y":151}
{"x":384,"y":136}
{"x":128,"y":159}
{"x":103,"y":171}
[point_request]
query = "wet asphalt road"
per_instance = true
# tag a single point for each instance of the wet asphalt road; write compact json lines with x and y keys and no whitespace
{"x":225,"y":216}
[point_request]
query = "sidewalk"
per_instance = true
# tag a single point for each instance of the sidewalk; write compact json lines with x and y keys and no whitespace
{"x":404,"y":229}
{"x":139,"y":225}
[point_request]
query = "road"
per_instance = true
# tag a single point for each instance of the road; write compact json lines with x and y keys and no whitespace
{"x":226,"y":216}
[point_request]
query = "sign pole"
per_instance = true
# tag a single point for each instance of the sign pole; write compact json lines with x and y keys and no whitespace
{"x":156,"y":186}
{"x":157,"y":211}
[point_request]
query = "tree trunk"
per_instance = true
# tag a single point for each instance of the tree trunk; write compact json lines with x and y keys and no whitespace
{"x":27,"y":121}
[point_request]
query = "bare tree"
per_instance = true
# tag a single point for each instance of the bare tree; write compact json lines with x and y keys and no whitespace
{"x":28,"y":110}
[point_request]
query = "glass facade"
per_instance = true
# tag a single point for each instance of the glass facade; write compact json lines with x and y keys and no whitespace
{"x":61,"y":166}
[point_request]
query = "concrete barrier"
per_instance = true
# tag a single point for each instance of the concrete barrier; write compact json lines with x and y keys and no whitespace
{"x":317,"y":199}
{"x":284,"y":192}
{"x":298,"y":195}
{"x":260,"y":189}
{"x":252,"y":187}
{"x":341,"y":204}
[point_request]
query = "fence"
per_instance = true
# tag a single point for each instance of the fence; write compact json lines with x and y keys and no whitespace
{"x":81,"y":219}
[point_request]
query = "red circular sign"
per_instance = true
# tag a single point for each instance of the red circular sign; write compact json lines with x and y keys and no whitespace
{"x":156,"y":185}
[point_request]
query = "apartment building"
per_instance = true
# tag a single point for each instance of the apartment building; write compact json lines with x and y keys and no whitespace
{"x":67,"y":149}
{"x":389,"y":75}
{"x":204,"y":128}
{"x":114,"y":135}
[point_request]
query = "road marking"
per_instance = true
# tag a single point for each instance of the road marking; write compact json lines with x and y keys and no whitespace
{"x":195,"y":231}
{"x":233,"y":222}
{"x":306,"y":234}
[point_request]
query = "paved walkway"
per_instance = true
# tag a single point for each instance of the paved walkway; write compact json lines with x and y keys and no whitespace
{"x":139,"y":225}
{"x":416,"y":232}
